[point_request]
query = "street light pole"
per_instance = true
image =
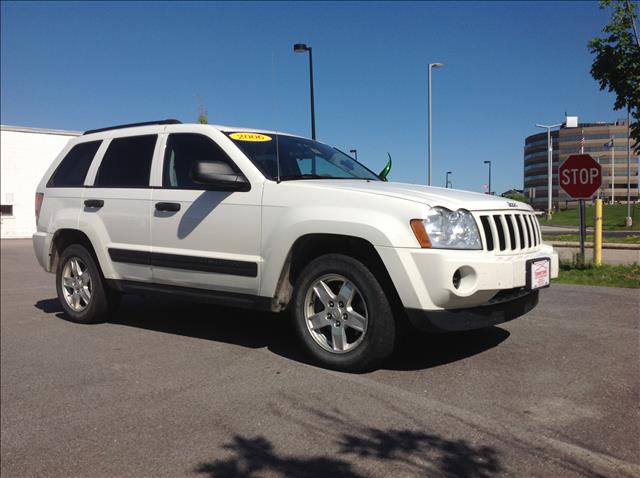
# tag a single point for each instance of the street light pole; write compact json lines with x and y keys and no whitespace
{"x":628,"y":220}
{"x":446,"y":183}
{"x":613,"y":169}
{"x":431,"y":66}
{"x":489,"y":163}
{"x":301,"y":48}
{"x":355,"y":153}
{"x":549,"y":165}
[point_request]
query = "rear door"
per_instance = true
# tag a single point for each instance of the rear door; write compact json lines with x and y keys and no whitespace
{"x":64,"y":189}
{"x":117,"y":206}
{"x":202,"y":237}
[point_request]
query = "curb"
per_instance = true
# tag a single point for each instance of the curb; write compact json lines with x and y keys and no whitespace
{"x":588,"y":228}
{"x":608,"y":245}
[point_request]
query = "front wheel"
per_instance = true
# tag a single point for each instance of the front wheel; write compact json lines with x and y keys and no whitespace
{"x":342,"y":314}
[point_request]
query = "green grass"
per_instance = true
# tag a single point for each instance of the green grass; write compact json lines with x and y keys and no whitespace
{"x":613,"y":217}
{"x":604,"y":275}
{"x":576,"y":238}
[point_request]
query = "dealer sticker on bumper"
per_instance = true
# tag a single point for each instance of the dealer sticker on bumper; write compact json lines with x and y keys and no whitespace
{"x":538,"y":273}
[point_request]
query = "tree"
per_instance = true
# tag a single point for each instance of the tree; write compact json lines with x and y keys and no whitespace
{"x":616,"y":65}
{"x":202,"y":116}
{"x":517,"y":197}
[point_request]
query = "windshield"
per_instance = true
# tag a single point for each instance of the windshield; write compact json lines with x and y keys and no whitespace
{"x":300,"y":158}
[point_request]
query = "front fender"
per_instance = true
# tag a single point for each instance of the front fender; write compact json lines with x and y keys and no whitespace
{"x":282,"y":227}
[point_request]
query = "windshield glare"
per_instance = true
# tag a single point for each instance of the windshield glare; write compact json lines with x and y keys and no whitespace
{"x":300,"y":158}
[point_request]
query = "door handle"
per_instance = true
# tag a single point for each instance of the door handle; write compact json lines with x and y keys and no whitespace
{"x":97,"y":203}
{"x":168,"y":206}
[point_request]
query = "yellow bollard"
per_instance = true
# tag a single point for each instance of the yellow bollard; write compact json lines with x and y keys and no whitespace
{"x":597,"y":234}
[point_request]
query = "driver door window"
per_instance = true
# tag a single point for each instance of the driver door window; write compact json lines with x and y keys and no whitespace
{"x":182,"y":152}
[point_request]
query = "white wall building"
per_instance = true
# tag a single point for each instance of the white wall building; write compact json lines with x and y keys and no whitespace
{"x":25,"y":155}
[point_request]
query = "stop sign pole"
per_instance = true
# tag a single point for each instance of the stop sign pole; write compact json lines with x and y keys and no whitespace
{"x":580,"y":177}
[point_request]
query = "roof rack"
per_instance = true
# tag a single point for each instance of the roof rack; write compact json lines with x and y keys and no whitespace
{"x":131,"y":125}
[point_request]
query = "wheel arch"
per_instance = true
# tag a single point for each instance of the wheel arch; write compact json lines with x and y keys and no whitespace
{"x":65,"y":237}
{"x":311,"y":246}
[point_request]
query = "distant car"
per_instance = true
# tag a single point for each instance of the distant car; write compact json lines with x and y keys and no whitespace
{"x":272,"y":221}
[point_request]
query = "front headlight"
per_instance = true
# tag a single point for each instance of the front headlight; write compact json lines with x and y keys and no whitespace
{"x":445,"y":229}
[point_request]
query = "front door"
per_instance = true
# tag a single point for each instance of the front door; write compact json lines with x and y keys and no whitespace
{"x":202,"y":238}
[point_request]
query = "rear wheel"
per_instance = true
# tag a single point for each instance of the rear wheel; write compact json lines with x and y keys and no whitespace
{"x":342,"y":314}
{"x":81,"y":288}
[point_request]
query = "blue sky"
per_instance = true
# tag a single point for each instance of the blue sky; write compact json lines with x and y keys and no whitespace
{"x":509,"y":65}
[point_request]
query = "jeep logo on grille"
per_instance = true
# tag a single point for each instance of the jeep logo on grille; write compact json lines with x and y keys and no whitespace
{"x":512,"y":204}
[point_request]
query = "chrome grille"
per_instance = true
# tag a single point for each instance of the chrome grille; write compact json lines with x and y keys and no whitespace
{"x":510,"y":232}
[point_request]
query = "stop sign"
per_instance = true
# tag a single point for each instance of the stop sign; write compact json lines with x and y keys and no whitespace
{"x":580,"y":176}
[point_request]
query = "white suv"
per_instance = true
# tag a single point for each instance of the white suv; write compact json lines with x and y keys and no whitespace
{"x":271,"y":221}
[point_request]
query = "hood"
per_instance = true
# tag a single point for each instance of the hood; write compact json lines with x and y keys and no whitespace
{"x":432,"y":196}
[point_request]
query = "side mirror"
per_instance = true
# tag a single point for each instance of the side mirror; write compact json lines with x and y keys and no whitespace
{"x":219,"y":175}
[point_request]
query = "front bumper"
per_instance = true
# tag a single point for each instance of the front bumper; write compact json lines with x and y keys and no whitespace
{"x":424,"y":278}
{"x":475,"y":317}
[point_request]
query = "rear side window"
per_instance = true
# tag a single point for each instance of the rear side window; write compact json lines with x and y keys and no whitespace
{"x":127,"y":162}
{"x":73,"y":168}
{"x":181,"y":153}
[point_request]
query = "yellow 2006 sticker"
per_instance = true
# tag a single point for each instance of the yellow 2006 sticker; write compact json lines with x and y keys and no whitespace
{"x":250,"y":137}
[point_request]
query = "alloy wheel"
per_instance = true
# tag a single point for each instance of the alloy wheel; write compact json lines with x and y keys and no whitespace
{"x":76,"y":284}
{"x":336,"y":313}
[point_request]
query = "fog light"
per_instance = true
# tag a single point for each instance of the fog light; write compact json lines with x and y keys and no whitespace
{"x":456,"y":279}
{"x":464,"y":280}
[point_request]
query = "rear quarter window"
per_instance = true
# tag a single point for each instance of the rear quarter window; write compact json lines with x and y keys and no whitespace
{"x":72,"y":170}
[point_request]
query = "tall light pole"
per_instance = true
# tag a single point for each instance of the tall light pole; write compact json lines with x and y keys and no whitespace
{"x":301,"y":48}
{"x":549,"y":166}
{"x":446,"y":183}
{"x":489,"y":163}
{"x":613,"y":169}
{"x":431,"y":66}
{"x":628,"y":220}
{"x":355,"y":153}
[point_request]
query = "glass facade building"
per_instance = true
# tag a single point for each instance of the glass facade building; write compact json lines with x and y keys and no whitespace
{"x":568,"y":141}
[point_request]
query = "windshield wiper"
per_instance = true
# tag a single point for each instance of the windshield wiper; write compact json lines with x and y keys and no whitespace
{"x":318,"y":176}
{"x":305,"y":176}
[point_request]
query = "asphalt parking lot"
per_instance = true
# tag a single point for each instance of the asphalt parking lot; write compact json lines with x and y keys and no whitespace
{"x":175,"y":389}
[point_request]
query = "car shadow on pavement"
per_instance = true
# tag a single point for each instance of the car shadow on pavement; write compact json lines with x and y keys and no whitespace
{"x":49,"y":306}
{"x":255,"y":329}
{"x":409,"y":452}
{"x":421,"y":350}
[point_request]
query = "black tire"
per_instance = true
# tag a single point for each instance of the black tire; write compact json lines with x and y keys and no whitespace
{"x":377,"y":342}
{"x":114,"y":298}
{"x":102,"y":300}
